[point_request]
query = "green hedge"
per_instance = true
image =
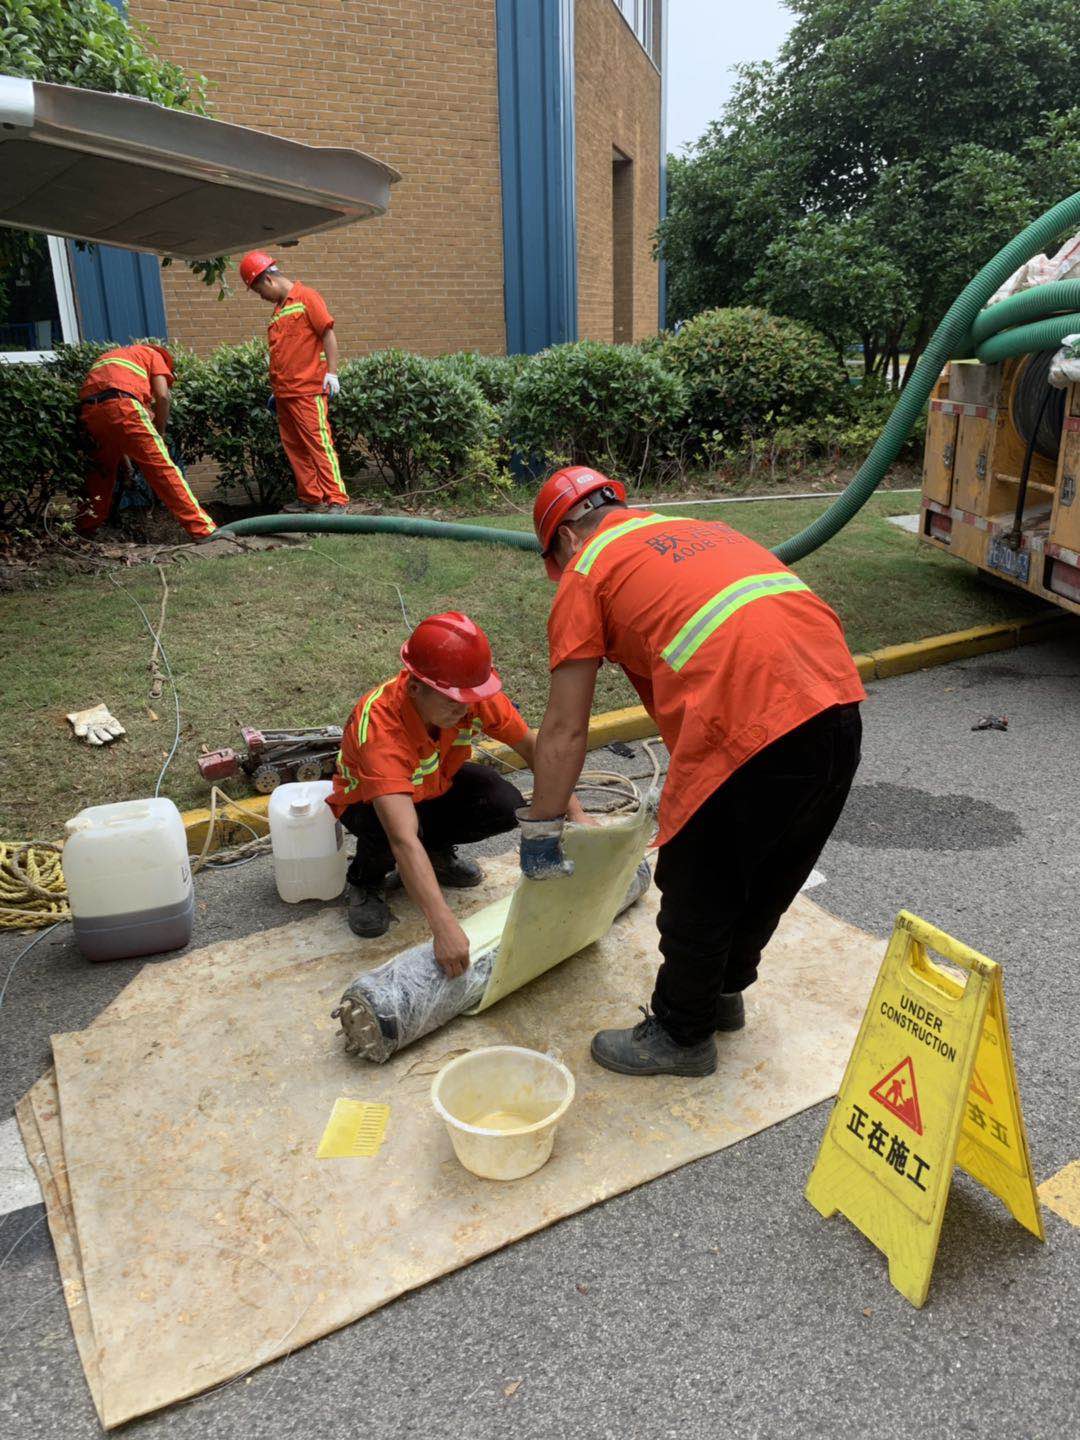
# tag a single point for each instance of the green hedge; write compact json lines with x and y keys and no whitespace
{"x":592,"y":404}
{"x":746,"y":371}
{"x":420,"y":424}
{"x":730,"y":387}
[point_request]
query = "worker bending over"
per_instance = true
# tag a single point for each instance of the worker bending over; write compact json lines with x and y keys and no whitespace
{"x":405,"y":785}
{"x":752,"y":688}
{"x":303,"y":376}
{"x":113,"y":405}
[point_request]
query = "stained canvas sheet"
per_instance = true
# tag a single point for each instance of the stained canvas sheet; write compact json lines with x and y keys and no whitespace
{"x":211,"y":1239}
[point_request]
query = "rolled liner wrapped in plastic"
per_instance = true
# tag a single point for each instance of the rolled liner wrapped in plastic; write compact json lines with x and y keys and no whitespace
{"x":409,"y":996}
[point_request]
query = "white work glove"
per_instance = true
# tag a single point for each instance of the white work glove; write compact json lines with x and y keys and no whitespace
{"x":331,"y":385}
{"x":95,"y":725}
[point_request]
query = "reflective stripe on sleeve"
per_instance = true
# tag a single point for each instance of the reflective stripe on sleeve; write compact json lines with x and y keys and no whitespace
{"x":365,"y":714}
{"x":708,"y":618}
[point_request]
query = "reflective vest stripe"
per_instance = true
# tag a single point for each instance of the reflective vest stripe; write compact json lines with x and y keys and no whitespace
{"x":585,"y":561}
{"x":474,"y":730}
{"x":425,"y":768}
{"x":296,"y":308}
{"x":365,"y":714}
{"x":127,"y":364}
{"x":327,"y":442}
{"x":152,"y":431}
{"x":708,"y":618}
{"x":347,"y":774}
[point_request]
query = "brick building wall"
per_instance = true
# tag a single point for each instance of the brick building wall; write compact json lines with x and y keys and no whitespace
{"x":617,"y":157}
{"x":413,"y":83}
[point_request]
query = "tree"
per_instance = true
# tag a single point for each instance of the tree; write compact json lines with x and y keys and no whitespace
{"x":838,"y":279}
{"x":89,"y":43}
{"x":916,"y":135}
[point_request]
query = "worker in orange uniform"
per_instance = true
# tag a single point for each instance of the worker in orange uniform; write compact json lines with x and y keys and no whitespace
{"x":113,"y":405}
{"x":406,"y":787}
{"x":748,"y":678}
{"x":303,"y":377}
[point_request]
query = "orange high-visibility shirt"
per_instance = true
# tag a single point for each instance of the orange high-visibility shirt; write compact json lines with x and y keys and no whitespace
{"x":297,"y":358}
{"x":388,"y":750}
{"x":727,"y":648}
{"x":129,"y":368}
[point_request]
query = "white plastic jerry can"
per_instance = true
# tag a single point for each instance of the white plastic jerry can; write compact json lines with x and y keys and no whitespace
{"x":308,"y":842}
{"x":129,"y":879}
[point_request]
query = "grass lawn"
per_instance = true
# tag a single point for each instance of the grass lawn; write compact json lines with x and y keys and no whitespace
{"x":294,"y":637}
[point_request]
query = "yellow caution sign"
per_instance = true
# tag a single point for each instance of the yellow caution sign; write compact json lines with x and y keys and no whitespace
{"x":930,"y":1084}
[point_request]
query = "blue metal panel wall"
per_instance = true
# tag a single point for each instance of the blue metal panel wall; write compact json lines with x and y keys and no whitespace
{"x":536,"y":143}
{"x":118,"y":293}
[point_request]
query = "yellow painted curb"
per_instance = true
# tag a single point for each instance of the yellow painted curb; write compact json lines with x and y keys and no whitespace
{"x":961,"y":644}
{"x":234,"y":826}
{"x":635,"y":723}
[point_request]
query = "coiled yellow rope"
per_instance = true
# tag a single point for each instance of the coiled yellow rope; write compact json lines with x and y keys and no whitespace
{"x":32,"y":888}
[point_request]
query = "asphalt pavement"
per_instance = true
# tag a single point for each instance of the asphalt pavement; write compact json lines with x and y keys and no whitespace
{"x":713,"y":1301}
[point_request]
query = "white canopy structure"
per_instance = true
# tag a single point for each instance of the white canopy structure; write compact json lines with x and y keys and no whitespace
{"x":119,"y":170}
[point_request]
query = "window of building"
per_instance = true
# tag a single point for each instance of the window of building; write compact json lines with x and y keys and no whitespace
{"x":641,"y":16}
{"x":37,"y":303}
{"x":622,"y":248}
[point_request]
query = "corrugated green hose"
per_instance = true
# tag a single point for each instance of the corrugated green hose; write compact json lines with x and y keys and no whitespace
{"x":992,"y":336}
{"x":947,"y":341}
{"x":1028,"y":339}
{"x":378,"y":525}
{"x":1035,"y":304}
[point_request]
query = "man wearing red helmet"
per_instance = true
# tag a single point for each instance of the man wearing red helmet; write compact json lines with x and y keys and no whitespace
{"x":405,"y":785}
{"x":113,"y":406}
{"x":752,"y":688}
{"x":303,"y":377}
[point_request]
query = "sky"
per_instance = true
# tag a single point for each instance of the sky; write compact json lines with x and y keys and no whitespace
{"x":705,"y":38}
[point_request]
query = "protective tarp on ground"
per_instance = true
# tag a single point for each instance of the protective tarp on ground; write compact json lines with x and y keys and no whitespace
{"x":199,"y":1237}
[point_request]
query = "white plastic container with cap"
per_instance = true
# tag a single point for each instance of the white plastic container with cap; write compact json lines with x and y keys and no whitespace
{"x":129,"y":879}
{"x":308,"y":843}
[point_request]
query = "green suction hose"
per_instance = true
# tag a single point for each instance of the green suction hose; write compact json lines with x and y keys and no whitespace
{"x":1035,"y":304}
{"x":378,"y":525}
{"x":950,"y":338}
{"x":1028,"y":339}
{"x":966,"y":330}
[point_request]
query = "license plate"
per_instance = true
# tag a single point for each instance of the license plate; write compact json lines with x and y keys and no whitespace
{"x":1016,"y":563}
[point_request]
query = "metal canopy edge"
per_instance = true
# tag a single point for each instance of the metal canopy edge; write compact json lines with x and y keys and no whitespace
{"x":120,"y":170}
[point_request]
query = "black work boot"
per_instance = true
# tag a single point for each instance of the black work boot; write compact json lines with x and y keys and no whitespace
{"x":369,"y":914}
{"x":454,"y":872}
{"x":730,"y":1013}
{"x":648,"y":1049}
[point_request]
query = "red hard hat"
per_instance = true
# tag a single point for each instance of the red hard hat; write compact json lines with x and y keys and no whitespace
{"x":451,"y":654}
{"x":254,"y":264}
{"x":560,"y":495}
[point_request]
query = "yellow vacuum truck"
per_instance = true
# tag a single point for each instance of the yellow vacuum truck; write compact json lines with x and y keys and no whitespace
{"x":1000,"y":472}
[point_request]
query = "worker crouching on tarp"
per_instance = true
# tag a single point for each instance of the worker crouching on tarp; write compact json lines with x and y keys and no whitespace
{"x":405,"y":785}
{"x":113,"y":405}
{"x":303,"y":378}
{"x":752,"y":688}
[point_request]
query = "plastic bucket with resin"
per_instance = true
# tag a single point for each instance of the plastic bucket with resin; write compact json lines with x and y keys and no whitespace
{"x":501,"y":1106}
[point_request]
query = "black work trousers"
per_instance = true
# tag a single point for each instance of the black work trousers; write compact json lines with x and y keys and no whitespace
{"x":728,"y":875}
{"x":479,"y":803}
